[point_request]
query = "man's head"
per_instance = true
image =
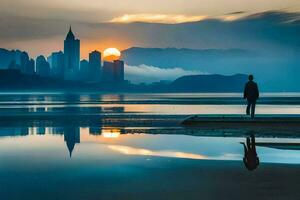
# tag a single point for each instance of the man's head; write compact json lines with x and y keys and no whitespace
{"x":250,"y":77}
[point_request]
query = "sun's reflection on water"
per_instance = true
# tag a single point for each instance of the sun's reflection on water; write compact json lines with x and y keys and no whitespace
{"x":111,"y":133}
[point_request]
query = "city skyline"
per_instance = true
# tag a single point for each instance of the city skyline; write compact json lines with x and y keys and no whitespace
{"x":67,"y":65}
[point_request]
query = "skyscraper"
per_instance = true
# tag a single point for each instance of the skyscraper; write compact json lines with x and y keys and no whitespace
{"x":108,"y":71}
{"x":29,"y":68}
{"x":42,"y":66}
{"x":72,"y":56}
{"x":119,"y":70}
{"x":113,"y":71}
{"x":24,"y":60}
{"x":95,"y":65}
{"x":49,"y":60}
{"x":84,"y":70}
{"x":57,"y":64}
{"x":19,"y":61}
{"x":18,"y":57}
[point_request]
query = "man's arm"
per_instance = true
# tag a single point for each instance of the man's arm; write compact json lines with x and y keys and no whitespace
{"x":257,"y":91}
{"x":245,"y":91}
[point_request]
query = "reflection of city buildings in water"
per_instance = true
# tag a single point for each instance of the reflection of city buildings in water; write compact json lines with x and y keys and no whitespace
{"x":71,"y":134}
{"x":42,"y":106}
{"x":112,"y":98}
{"x":41,"y":130}
{"x":106,"y":132}
{"x":17,"y":131}
{"x":95,"y":130}
{"x":112,"y":132}
{"x":71,"y":137}
{"x":58,"y":130}
{"x":25,"y":131}
{"x":113,"y":109}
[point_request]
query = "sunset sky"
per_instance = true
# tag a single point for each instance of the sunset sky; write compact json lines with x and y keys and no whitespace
{"x":40,"y":26}
{"x":142,"y":10}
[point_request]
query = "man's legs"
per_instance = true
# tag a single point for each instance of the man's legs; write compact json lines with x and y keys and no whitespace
{"x":248,"y":143}
{"x":253,"y":109}
{"x":252,"y":141}
{"x":248,"y":108}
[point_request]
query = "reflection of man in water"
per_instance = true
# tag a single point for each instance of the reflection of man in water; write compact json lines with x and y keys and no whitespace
{"x":251,"y":93}
{"x":250,"y":159}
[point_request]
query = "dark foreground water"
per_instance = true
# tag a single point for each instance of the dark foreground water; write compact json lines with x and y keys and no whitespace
{"x":95,"y":146}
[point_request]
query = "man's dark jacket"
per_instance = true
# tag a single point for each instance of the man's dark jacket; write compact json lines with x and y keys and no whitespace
{"x":251,"y":92}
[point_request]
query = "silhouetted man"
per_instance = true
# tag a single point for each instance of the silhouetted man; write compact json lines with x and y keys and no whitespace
{"x":250,"y":159}
{"x":251,"y":93}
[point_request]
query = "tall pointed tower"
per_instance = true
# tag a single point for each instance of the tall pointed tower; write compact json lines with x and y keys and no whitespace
{"x":72,"y":56}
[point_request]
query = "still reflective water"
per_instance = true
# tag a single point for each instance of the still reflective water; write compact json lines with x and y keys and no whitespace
{"x":157,"y":104}
{"x":39,"y":160}
{"x":113,"y":143}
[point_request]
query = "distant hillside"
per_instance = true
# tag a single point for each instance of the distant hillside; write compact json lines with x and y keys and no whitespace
{"x":273,"y":72}
{"x":210,"y":83}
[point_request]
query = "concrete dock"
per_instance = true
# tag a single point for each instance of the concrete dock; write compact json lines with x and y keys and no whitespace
{"x":266,"y":122}
{"x":274,"y":119}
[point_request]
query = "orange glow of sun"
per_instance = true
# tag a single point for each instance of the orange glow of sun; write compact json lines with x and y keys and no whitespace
{"x":111,"y":54}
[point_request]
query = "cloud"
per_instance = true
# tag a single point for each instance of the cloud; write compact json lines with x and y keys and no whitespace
{"x":236,"y":13}
{"x":174,"y":19}
{"x":157,"y":18}
{"x":233,"y":16}
{"x":278,"y":31}
{"x":146,"y":152}
{"x":149,"y":74}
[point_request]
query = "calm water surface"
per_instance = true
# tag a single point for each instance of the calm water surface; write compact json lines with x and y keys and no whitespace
{"x":42,"y":161}
{"x":157,"y":104}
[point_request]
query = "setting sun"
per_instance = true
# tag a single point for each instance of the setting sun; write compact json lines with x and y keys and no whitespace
{"x":111,"y":54}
